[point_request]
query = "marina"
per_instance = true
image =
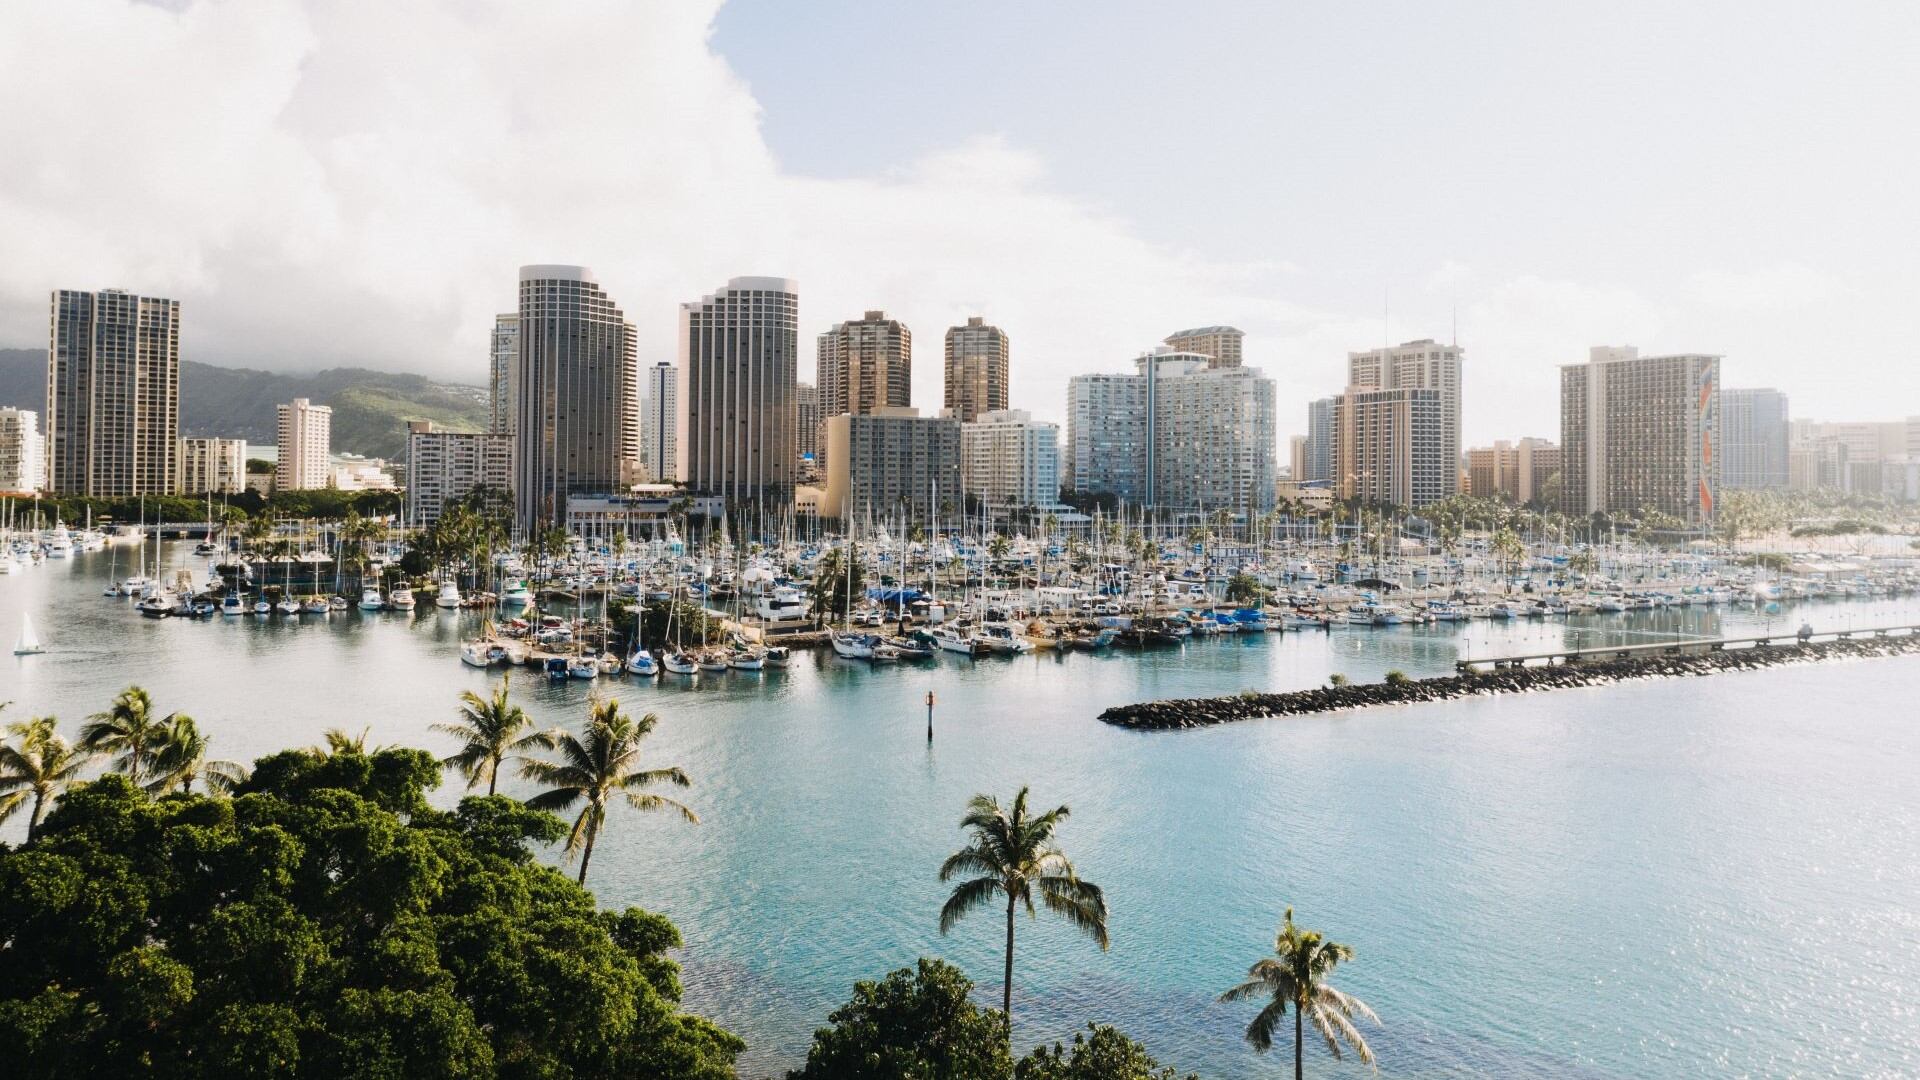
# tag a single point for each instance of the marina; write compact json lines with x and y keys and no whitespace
{"x":1505,"y":812}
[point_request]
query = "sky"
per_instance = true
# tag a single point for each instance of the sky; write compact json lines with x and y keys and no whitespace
{"x":351,"y":182}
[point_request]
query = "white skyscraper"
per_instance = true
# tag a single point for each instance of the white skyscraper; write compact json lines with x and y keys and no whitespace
{"x":1180,"y":434}
{"x":305,"y":435}
{"x":659,"y":413}
{"x":22,"y":452}
{"x":444,"y":466}
{"x":1011,"y":459}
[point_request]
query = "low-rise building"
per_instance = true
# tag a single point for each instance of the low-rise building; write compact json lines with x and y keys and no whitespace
{"x":644,"y":512}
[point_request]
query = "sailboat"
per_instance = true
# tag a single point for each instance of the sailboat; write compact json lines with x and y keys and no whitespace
{"x":29,"y":643}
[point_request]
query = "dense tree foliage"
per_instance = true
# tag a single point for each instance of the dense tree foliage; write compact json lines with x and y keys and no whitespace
{"x":324,"y":921}
{"x":1103,"y":1053}
{"x":920,"y":1023}
{"x":916,"y":1024}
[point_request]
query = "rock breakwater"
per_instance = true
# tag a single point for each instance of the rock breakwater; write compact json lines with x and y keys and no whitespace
{"x":1204,"y":712}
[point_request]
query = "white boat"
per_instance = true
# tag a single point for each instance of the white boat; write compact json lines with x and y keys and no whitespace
{"x":29,"y":642}
{"x":231,"y":604}
{"x":747,"y":659}
{"x":680,"y":663}
{"x":950,"y":639}
{"x":58,"y":542}
{"x":713,"y":660}
{"x":315,"y":605}
{"x":401,"y":598}
{"x":261,"y":607}
{"x":852,"y":646}
{"x":287,"y":606}
{"x":642,"y":663}
{"x":128,"y":534}
{"x":583,"y":667}
{"x":782,"y":603}
{"x":516,"y":595}
{"x":206,"y":548}
{"x":448,"y":596}
{"x":370,"y":599}
{"x":779,"y":656}
{"x":156,"y":605}
{"x":135,"y":585}
{"x":476,"y":654}
{"x":1001,"y":638}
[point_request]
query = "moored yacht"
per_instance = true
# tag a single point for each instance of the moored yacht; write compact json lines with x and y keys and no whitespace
{"x":401,"y":598}
{"x":448,"y":596}
{"x":370,"y":599}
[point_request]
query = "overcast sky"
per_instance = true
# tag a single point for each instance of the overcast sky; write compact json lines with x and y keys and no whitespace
{"x":356,"y":182}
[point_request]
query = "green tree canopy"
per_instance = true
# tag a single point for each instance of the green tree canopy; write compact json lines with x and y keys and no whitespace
{"x":916,"y":1024}
{"x":326,"y":922}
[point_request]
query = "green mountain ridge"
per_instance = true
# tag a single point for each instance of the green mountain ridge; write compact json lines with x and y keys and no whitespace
{"x":370,"y":408}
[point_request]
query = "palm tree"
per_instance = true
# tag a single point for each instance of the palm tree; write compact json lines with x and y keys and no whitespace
{"x":36,"y":762}
{"x":596,"y":766}
{"x":341,"y":741}
{"x":1014,"y":855}
{"x":1296,"y":975}
{"x":492,"y":729}
{"x":128,"y":732}
{"x":181,"y":758}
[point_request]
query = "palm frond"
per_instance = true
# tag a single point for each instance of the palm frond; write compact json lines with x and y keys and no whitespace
{"x":969,"y":860}
{"x":1081,"y":903}
{"x":967,"y":896}
{"x":641,"y":801}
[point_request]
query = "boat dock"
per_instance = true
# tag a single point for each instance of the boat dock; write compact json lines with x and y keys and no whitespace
{"x":1676,"y":648}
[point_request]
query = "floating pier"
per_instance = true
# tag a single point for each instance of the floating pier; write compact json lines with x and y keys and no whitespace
{"x":1689,"y":647}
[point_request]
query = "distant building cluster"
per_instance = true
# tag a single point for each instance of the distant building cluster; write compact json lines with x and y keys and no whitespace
{"x":576,"y":425}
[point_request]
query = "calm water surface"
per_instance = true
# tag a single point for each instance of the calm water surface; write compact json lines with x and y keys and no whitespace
{"x":1704,"y":877}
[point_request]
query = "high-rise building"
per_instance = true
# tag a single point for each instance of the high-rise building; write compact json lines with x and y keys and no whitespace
{"x":659,"y":413}
{"x":1179,"y":434}
{"x":305,"y":434}
{"x":22,"y":452}
{"x":1011,"y":459}
{"x":1418,"y":365}
{"x":976,"y":369}
{"x":503,"y":370}
{"x":865,"y":364}
{"x":806,"y":429}
{"x":576,"y":398}
{"x":890,"y":461}
{"x":1221,"y":345}
{"x":1517,"y":471}
{"x":1320,"y":439}
{"x":213,"y":465}
{"x":739,"y":351}
{"x":1213,"y":441}
{"x":1297,"y":458}
{"x":1817,"y":465}
{"x":113,"y":394}
{"x":1755,"y":436}
{"x":1641,"y":432}
{"x":1386,"y":447}
{"x":1107,"y":433}
{"x":443,"y":467}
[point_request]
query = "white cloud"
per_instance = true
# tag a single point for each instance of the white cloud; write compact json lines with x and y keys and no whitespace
{"x":315,"y":193}
{"x":1781,"y":287}
{"x":356,"y":182}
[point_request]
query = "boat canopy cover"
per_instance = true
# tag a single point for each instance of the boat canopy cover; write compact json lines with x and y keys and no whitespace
{"x":896,"y":595}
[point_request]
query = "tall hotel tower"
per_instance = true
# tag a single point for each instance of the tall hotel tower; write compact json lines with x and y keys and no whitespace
{"x":659,"y":411}
{"x":739,"y":352}
{"x":576,"y":395}
{"x":976,"y":369}
{"x":502,"y":357}
{"x":113,"y":394}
